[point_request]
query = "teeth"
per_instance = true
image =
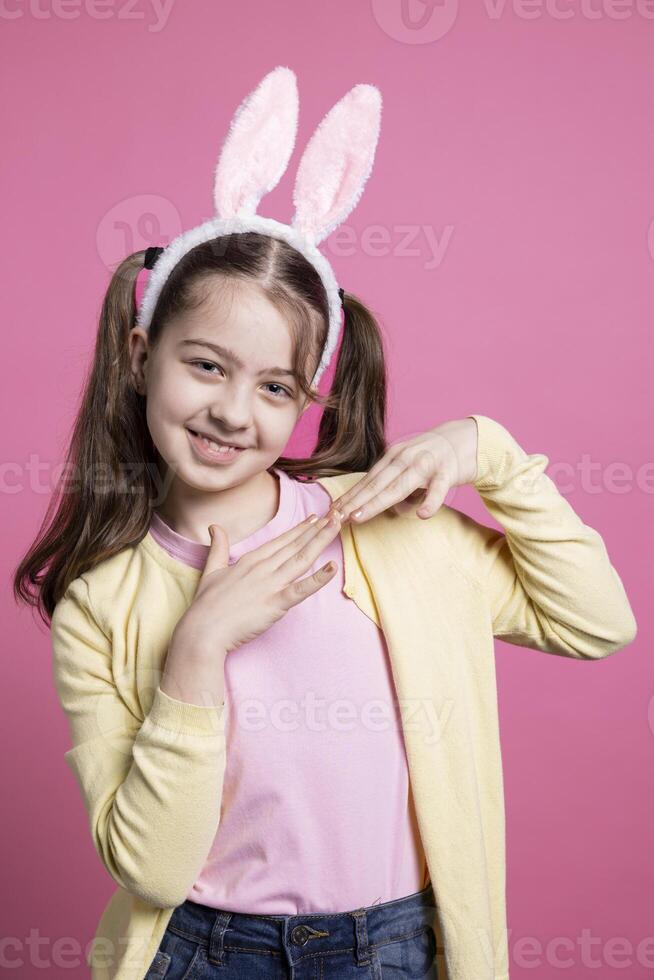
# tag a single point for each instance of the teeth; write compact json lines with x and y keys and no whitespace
{"x":216,"y":447}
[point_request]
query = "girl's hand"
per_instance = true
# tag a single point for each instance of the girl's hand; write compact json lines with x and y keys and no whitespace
{"x":235,"y":603}
{"x":422,"y":469}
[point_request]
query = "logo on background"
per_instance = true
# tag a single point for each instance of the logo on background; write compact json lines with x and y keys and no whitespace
{"x":415,"y":21}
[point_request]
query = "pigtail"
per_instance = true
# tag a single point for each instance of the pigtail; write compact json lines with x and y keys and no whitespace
{"x":352,"y":430}
{"x":102,"y":502}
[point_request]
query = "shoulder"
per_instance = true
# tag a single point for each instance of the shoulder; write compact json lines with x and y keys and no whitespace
{"x":450,"y":535}
{"x":341,"y":483}
{"x":97,"y":592}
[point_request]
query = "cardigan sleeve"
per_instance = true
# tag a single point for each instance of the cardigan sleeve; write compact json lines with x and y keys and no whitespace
{"x":548,"y":578}
{"x":141,"y":779}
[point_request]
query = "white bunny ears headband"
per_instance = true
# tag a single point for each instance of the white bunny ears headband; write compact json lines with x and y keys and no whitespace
{"x":334,"y":167}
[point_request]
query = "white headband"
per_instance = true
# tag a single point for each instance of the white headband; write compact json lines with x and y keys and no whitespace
{"x":334,"y":167}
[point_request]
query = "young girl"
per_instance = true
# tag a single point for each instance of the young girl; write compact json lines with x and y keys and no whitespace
{"x":279,"y":680}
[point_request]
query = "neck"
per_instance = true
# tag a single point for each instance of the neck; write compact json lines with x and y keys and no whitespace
{"x":241,"y":509}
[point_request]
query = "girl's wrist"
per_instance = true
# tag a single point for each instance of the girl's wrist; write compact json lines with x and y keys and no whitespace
{"x":194,"y":672}
{"x":192,"y":640}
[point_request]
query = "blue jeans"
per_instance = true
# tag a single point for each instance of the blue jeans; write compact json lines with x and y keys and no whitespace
{"x":392,"y":941}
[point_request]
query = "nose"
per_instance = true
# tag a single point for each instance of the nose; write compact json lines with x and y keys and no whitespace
{"x":233,"y":408}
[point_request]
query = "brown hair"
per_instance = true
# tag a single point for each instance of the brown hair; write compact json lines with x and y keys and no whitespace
{"x":86,"y":521}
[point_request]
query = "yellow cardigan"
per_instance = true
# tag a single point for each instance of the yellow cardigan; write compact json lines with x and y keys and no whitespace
{"x":150,"y":767}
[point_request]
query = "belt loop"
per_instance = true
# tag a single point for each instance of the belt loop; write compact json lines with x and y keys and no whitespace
{"x":362,"y":943}
{"x":216,"y":950}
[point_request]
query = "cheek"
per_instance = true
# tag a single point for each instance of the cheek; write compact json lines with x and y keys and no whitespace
{"x":282,"y":421}
{"x":173,"y":398}
{"x":159,"y":428}
{"x":168,"y":407}
{"x":274,"y":426}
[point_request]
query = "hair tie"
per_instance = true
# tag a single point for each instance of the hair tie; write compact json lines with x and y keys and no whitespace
{"x":151,"y":256}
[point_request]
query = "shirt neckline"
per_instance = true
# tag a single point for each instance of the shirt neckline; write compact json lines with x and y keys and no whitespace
{"x":168,"y":545}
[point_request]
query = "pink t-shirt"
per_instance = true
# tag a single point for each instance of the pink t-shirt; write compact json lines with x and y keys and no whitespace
{"x":317,"y":813}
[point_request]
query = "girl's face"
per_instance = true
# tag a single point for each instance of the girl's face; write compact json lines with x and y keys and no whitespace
{"x":225,"y":371}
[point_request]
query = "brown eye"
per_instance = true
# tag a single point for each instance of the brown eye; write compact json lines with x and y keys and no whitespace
{"x":284,"y":392}
{"x":209,"y":363}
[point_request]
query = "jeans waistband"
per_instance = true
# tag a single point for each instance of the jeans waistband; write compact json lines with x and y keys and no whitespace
{"x":358,"y":930}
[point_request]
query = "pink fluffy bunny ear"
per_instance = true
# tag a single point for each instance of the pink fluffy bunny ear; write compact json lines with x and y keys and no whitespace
{"x":336,"y":163}
{"x":258,"y":145}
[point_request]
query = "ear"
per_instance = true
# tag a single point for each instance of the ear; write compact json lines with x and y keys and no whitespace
{"x":138,"y":346}
{"x":258,"y":145}
{"x":336,"y":163}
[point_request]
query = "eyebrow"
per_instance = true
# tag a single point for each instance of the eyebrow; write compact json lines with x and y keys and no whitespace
{"x":231,"y":356}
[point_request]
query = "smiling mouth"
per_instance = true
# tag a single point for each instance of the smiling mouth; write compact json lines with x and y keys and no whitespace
{"x":216,"y":443}
{"x":217,"y":449}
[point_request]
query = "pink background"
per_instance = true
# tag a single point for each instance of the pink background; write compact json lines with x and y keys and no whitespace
{"x":522,"y":139}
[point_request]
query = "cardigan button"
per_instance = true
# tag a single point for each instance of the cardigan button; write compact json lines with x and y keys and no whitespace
{"x":300,"y":935}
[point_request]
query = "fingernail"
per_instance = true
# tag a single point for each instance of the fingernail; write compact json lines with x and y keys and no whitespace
{"x":312,"y":519}
{"x":357,"y":513}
